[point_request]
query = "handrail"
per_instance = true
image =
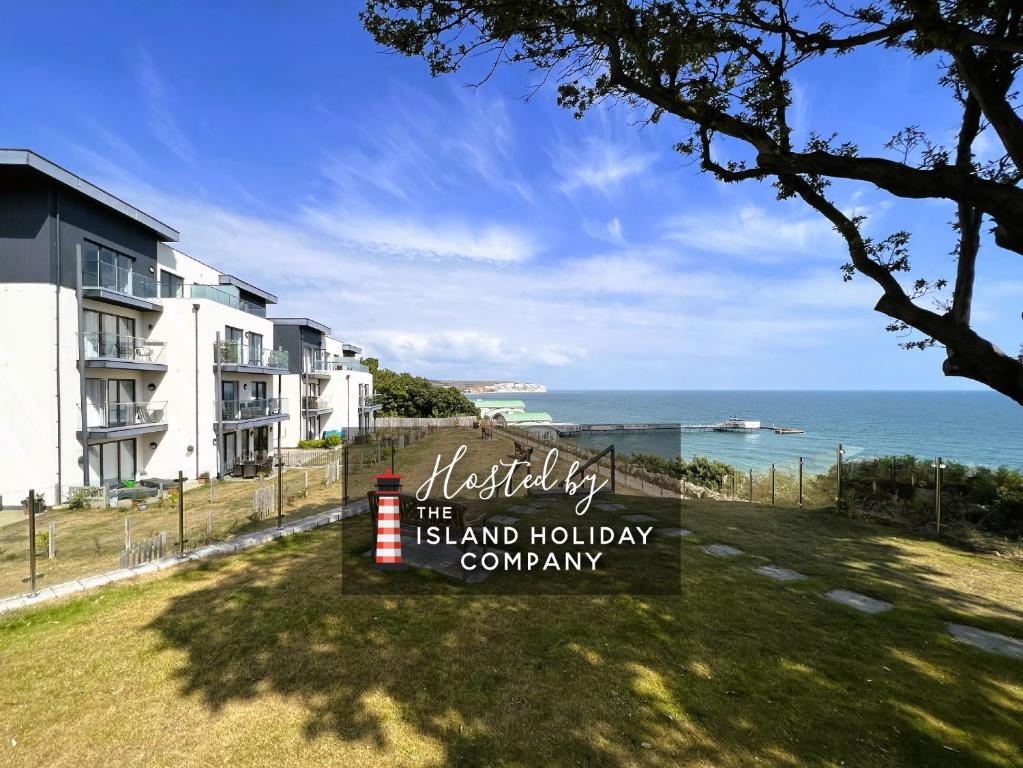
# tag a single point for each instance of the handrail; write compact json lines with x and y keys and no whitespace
{"x":240,"y":410}
{"x":97,"y":273}
{"x":234,"y":352}
{"x":128,"y":414}
{"x":103,"y":344}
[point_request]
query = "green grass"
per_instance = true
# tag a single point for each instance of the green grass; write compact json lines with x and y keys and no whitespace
{"x":265,"y":658}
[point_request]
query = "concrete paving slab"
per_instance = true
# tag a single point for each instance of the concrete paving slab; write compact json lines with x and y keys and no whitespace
{"x":609,"y":506}
{"x":502,"y":519}
{"x":675,"y":533}
{"x":639,"y":518}
{"x":522,"y":509}
{"x":858,"y":601}
{"x":779,"y":574}
{"x":992,"y":642}
{"x":721,"y":550}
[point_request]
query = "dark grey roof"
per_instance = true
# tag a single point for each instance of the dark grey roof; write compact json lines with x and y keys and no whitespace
{"x":304,"y":321}
{"x":237,"y":282}
{"x":29,"y":159}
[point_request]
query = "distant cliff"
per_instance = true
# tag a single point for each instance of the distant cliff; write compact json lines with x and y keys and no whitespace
{"x":492,"y":387}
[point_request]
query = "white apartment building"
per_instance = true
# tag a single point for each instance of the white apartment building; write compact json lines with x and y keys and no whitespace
{"x":332,"y":390}
{"x":123,"y":359}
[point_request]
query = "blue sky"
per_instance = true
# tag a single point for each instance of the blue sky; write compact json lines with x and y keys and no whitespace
{"x":469,"y":233}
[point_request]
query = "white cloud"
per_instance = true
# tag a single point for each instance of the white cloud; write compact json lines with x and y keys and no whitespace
{"x":421,"y":239}
{"x":755,"y":235}
{"x":598,"y":164}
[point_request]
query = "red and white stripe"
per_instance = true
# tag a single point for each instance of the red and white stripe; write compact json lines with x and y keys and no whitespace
{"x":388,"y":530}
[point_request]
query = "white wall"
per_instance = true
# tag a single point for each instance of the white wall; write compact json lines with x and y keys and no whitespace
{"x":28,"y":390}
{"x":176,"y":326}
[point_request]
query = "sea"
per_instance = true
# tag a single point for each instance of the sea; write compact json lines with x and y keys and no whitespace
{"x":975,"y":428}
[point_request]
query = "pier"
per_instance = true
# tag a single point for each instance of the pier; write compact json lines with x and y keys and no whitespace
{"x":729,"y":425}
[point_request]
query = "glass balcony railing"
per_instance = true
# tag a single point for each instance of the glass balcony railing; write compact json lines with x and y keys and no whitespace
{"x":315,"y":403}
{"x":368,"y":403}
{"x":327,"y":363}
{"x":240,"y":410}
{"x":219,"y":295}
{"x":240,"y":353}
{"x":97,"y":273}
{"x":131,"y":348}
{"x":107,"y":415}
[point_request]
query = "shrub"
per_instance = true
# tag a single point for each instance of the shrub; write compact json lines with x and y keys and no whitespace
{"x":78,"y":500}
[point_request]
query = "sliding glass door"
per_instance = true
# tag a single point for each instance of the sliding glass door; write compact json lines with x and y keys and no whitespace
{"x":112,"y":463}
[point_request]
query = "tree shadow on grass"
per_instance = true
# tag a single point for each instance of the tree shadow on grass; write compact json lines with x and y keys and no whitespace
{"x":733,"y":671}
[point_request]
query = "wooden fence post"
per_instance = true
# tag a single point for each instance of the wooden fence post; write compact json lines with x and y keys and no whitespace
{"x":800,"y":482}
{"x":32,"y":540}
{"x":181,"y":513}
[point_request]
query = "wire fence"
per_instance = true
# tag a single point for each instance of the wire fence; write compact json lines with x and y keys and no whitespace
{"x":103,"y":529}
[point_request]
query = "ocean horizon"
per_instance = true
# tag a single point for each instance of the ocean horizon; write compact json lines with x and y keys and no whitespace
{"x":973,"y":427}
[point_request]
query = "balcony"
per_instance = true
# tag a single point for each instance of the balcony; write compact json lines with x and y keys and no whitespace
{"x":313,"y":405}
{"x":254,"y":413}
{"x":108,"y":421}
{"x":324,"y":365}
{"x":368,"y":404}
{"x":110,"y":350}
{"x":228,"y":299}
{"x":236,"y":356}
{"x":104,"y":281}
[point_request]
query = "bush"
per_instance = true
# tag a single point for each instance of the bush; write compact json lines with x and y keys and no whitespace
{"x":701,"y":471}
{"x":78,"y":500}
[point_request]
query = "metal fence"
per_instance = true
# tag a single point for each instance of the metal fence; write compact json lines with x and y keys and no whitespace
{"x":102,"y":529}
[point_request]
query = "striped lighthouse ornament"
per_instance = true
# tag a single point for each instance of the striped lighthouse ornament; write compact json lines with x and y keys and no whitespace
{"x":387,"y":553}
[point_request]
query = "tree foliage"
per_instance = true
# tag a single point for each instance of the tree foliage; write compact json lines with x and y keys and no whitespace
{"x":724,"y":69}
{"x":402,"y":394}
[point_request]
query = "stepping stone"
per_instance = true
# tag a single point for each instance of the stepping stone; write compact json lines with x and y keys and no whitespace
{"x":993,"y":642}
{"x":608,"y":506}
{"x":780,"y":574}
{"x":502,"y":520}
{"x":639,"y":518}
{"x":721,"y":550}
{"x":522,"y":509}
{"x":858,"y":601}
{"x":676,"y":533}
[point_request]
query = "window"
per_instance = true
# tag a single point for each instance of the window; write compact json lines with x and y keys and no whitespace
{"x":110,"y":402}
{"x":232,"y":345}
{"x":259,"y":390}
{"x":261,"y":440}
{"x":106,"y":268}
{"x":112,"y":463}
{"x":171,"y":286}
{"x":109,"y":335}
{"x":255,"y":348}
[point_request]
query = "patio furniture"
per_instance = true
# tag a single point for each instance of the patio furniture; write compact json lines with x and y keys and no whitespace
{"x":249,"y":470}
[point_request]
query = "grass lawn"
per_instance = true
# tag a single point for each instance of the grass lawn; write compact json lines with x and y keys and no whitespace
{"x":91,"y":541}
{"x":267,"y":658}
